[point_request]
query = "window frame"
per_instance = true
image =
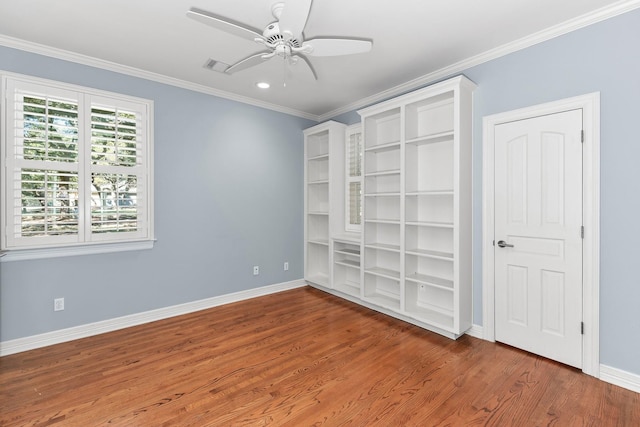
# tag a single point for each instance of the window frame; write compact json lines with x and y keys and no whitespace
{"x":348,"y":179}
{"x":84,"y":241}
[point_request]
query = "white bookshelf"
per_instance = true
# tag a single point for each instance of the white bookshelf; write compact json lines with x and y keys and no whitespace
{"x":416,"y":243}
{"x":323,"y":149}
{"x":381,"y":213}
{"x":412,"y":258}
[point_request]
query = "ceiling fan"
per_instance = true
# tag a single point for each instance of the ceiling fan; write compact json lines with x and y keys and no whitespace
{"x":283,"y":38}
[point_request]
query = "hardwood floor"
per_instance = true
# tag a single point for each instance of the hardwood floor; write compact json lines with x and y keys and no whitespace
{"x":298,"y":358}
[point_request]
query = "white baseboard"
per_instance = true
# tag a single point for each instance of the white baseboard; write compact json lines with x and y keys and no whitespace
{"x":91,"y":329}
{"x":620,"y":378}
{"x":608,"y":374}
{"x":475,"y":331}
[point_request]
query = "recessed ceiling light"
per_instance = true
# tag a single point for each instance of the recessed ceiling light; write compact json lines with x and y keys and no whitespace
{"x":263,"y":85}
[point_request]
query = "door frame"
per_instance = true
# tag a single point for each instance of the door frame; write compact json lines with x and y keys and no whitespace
{"x":590,"y":105}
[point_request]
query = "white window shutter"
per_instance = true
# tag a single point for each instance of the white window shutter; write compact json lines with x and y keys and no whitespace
{"x":77,"y":166}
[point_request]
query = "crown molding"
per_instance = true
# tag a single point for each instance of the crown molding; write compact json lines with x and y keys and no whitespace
{"x":65,"y":55}
{"x":582,"y":21}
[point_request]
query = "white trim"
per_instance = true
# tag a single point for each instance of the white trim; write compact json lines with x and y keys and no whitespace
{"x":590,"y":104}
{"x":500,"y":51}
{"x":475,"y":331}
{"x":91,"y":329}
{"x":63,"y":251}
{"x":620,"y":378}
{"x":19,"y":249}
{"x":78,"y":58}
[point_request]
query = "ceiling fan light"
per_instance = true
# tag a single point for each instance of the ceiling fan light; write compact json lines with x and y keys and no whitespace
{"x":263,"y":85}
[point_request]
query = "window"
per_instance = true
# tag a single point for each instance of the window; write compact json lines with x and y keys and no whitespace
{"x":353,"y":182}
{"x":77,"y":166}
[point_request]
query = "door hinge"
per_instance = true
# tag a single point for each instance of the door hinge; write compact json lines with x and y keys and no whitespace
{"x":582,"y":136}
{"x":581,"y":328}
{"x":582,"y":231}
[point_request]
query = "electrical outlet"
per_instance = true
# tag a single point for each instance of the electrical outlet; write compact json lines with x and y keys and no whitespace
{"x":58,"y":304}
{"x":286,"y":266}
{"x":256,"y":270}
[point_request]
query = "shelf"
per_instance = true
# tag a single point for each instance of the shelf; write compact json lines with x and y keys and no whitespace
{"x":429,"y":193}
{"x":431,"y":308}
{"x":432,"y":317}
{"x":319,"y":242}
{"x":384,"y":300}
{"x":318,"y":213}
{"x":347,"y":239}
{"x":433,"y":138}
{"x":383,"y":272}
{"x":388,"y":194}
{"x":429,"y":239}
{"x":430,"y":116}
{"x":430,"y":224}
{"x":446,"y":256}
{"x":429,"y":167}
{"x":383,"y":221}
{"x":383,"y":173}
{"x":383,"y":247}
{"x":349,"y":263}
{"x":320,"y":181}
{"x":431,"y":281}
{"x":319,"y":157}
{"x":350,"y":288}
{"x":347,"y":251}
{"x":394,"y":145}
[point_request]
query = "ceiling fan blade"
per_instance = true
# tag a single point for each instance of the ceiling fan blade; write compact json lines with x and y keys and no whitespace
{"x":308,"y":63}
{"x":225,"y":24}
{"x":293,"y":18}
{"x":336,"y":47}
{"x":249,"y":62}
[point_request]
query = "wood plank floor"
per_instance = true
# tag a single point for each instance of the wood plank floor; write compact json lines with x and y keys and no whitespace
{"x":299,"y":358}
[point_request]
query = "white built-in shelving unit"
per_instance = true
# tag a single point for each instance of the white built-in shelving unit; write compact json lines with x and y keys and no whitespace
{"x":413,"y":258}
{"x":417,"y":212}
{"x":323,"y":152}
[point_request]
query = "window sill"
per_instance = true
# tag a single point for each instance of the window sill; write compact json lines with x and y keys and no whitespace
{"x":98,"y":248}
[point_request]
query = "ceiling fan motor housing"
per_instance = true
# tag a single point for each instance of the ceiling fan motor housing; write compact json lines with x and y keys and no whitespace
{"x":274,"y":36}
{"x":272,"y":30}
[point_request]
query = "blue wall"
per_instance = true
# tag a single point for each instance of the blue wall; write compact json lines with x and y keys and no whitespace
{"x":244,"y":193}
{"x":602,"y":57}
{"x":228,"y":196}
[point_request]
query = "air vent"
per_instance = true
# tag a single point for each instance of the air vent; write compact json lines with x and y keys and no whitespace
{"x":214,"y":65}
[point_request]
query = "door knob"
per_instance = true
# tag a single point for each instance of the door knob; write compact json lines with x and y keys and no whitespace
{"x":504,"y":244}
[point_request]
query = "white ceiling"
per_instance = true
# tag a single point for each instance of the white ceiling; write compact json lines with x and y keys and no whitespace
{"x":414,"y":41}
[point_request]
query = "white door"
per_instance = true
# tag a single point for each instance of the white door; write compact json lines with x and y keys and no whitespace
{"x":538,"y":242}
